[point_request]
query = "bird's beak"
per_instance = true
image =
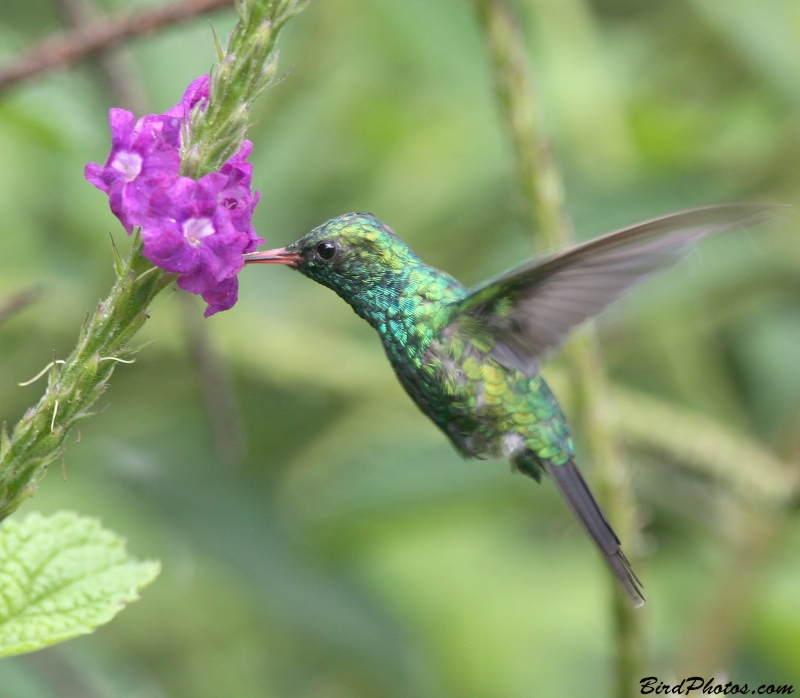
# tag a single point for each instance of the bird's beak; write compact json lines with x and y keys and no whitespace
{"x":277,"y":256}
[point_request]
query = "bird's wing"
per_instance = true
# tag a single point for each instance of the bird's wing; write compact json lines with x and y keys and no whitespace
{"x":528,"y":311}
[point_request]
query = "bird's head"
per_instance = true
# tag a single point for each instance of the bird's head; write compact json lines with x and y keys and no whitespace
{"x":350,"y":254}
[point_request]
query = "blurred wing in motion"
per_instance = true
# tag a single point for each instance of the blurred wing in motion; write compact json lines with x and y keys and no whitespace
{"x":528,"y":311}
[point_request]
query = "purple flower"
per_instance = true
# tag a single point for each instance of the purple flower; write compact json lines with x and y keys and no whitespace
{"x":198,"y":229}
{"x":189,"y":232}
{"x":142,"y":159}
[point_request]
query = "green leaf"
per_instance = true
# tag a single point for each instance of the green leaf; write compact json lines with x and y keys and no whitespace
{"x":62,"y":576}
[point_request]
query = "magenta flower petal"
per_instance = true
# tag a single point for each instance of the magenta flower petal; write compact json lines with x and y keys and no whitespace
{"x":243,"y":153}
{"x":190,"y":232}
{"x":122,"y":123}
{"x":165,"y":246}
{"x":196,"y":93}
{"x":237,"y":196}
{"x":254,"y":239}
{"x":222,"y":297}
{"x":143,"y":158}
{"x":159,"y":129}
{"x":94,"y":175}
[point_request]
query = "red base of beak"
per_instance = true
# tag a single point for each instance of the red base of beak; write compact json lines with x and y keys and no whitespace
{"x":277,"y":256}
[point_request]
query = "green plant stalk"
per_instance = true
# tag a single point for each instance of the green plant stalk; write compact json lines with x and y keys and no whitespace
{"x":38,"y":439}
{"x":543,"y":193}
{"x":75,"y":384}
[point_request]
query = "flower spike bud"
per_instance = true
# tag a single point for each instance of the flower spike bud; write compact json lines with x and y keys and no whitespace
{"x":228,"y":139}
{"x":52,"y":374}
{"x":267,"y":77}
{"x":192,"y":161}
{"x":119,"y":265}
{"x":217,"y":45}
{"x":223,"y":74}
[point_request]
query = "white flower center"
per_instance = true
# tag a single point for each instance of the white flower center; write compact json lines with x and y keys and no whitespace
{"x":128,"y":164}
{"x":195,"y":229}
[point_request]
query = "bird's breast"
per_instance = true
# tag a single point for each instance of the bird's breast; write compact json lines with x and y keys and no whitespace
{"x":486,"y":409}
{"x":440,"y":386}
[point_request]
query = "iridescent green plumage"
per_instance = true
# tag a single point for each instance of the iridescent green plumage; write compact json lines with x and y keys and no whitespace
{"x":485,"y":409}
{"x":469,"y":358}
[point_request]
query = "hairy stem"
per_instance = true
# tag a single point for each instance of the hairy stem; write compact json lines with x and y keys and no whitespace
{"x":542,"y":190}
{"x":74,"y":386}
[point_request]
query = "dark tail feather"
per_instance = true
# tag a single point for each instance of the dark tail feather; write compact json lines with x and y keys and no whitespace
{"x":573,"y":488}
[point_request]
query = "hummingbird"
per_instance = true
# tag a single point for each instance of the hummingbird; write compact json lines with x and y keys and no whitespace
{"x":470,"y":357}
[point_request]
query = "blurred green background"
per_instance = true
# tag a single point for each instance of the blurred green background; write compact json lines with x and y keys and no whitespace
{"x":319,"y":537}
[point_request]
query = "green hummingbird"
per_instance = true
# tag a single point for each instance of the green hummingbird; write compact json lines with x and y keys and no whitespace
{"x":470,"y":358}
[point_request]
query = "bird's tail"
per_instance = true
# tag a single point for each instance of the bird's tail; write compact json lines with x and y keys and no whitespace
{"x":573,"y":488}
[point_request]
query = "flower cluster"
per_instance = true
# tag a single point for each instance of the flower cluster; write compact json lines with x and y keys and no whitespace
{"x":196,"y":228}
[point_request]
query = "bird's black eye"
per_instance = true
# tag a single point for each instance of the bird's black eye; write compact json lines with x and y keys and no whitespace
{"x":326,"y":251}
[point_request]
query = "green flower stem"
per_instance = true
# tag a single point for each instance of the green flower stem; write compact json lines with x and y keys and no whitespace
{"x":544,"y":198}
{"x":75,"y":384}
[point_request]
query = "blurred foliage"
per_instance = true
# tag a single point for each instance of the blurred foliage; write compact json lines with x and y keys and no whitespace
{"x":349,"y":553}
